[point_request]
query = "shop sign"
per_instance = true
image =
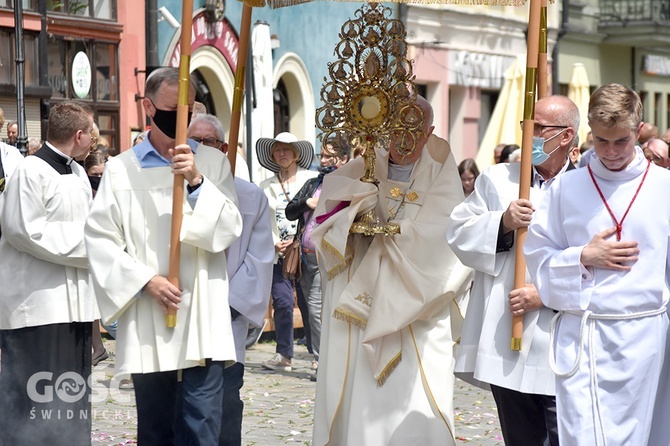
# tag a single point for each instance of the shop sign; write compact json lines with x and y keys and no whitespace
{"x":481,"y":70}
{"x":219,"y":35}
{"x":656,"y":65}
{"x":81,"y":75}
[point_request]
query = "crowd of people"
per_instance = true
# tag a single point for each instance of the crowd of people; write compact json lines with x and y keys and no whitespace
{"x":390,"y":320}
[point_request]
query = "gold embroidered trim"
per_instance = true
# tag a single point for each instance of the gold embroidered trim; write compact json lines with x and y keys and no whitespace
{"x":412,"y":196}
{"x":350,"y":318}
{"x":458,"y":307}
{"x":429,"y":391}
{"x":365,"y":298}
{"x":388,"y":369}
{"x":395,"y":192}
{"x":342,"y":390}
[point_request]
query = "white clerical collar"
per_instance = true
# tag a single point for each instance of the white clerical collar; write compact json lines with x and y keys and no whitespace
{"x":632,"y":170}
{"x":400,"y":173}
{"x":52,"y":147}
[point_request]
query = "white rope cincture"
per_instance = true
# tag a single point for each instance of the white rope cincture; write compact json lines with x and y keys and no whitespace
{"x":591,"y":318}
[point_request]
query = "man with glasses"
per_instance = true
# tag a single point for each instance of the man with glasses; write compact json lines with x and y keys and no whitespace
{"x":208,"y":130}
{"x":250,"y":261}
{"x":481,"y":232}
{"x":656,"y":150}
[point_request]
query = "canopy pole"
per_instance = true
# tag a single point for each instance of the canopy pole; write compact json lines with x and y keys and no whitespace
{"x":542,"y":73}
{"x":526,"y":149}
{"x":238,"y":94}
{"x":182,"y":128}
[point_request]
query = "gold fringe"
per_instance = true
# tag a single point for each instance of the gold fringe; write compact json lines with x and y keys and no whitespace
{"x":338,"y":269}
{"x":331,"y":249}
{"x":350,"y":318}
{"x":274,"y":4}
{"x":345,"y":260}
{"x":390,"y":367}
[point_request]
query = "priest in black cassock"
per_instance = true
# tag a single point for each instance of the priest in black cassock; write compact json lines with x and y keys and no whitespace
{"x":46,"y":308}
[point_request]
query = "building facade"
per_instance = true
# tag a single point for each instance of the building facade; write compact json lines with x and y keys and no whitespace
{"x":73,"y":50}
{"x":290,"y":51}
{"x":624,"y":41}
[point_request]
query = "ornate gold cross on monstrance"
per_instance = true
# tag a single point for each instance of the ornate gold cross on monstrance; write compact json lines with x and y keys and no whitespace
{"x":370,"y":96}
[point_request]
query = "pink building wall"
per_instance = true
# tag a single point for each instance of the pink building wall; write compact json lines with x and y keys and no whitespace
{"x":430,"y":68}
{"x":457,"y":108}
{"x":471,"y":122}
{"x":132,"y":55}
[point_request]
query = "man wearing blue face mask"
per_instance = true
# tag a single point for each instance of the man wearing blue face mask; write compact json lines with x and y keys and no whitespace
{"x":522,"y":382}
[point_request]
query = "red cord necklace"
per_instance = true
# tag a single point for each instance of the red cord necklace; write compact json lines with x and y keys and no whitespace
{"x":619,"y":224}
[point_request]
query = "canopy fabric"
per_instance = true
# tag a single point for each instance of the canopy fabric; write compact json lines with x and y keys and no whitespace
{"x":579,"y":92}
{"x":504,"y":127}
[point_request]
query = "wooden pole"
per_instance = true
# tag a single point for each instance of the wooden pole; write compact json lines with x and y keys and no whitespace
{"x":238,"y":94}
{"x":526,"y":149}
{"x":182,"y":127}
{"x":542,"y":75}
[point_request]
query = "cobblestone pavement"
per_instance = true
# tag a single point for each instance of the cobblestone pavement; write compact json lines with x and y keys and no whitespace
{"x":278,"y":406}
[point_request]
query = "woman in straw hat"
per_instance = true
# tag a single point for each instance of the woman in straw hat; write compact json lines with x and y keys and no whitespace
{"x":289,"y":159}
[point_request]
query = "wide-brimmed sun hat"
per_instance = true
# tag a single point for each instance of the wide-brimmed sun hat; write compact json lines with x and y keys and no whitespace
{"x":264,"y":149}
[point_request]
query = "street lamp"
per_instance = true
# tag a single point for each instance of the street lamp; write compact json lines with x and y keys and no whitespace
{"x":20,"y":78}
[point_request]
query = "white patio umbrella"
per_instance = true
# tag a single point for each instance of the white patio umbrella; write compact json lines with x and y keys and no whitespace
{"x":579,"y":92}
{"x":504,"y":128}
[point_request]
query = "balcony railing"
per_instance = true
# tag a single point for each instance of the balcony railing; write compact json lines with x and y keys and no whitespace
{"x":627,"y":11}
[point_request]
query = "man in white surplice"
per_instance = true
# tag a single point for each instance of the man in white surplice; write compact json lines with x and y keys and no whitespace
{"x":482,"y":233}
{"x":598,"y":252}
{"x":177,"y":372}
{"x":389,"y":301}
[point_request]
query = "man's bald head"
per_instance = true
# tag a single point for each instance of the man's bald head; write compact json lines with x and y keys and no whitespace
{"x":421,"y":136}
{"x":657,"y":151}
{"x":666,"y":136}
{"x":557,"y":121}
{"x":647,"y":132}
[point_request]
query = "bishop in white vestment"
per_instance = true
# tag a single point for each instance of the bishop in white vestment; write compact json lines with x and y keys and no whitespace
{"x":389,"y":304}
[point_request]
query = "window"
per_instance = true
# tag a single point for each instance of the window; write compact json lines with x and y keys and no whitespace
{"x":105,"y":72}
{"x":8,"y":58}
{"x":27,"y":4}
{"x":99,"y":9}
{"x":104,"y":68}
{"x":108,"y":125}
{"x":281,"y":108}
{"x":103,"y":94}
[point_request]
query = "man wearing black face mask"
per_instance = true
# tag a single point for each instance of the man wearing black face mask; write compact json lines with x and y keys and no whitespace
{"x":521,"y":382}
{"x":177,"y":372}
